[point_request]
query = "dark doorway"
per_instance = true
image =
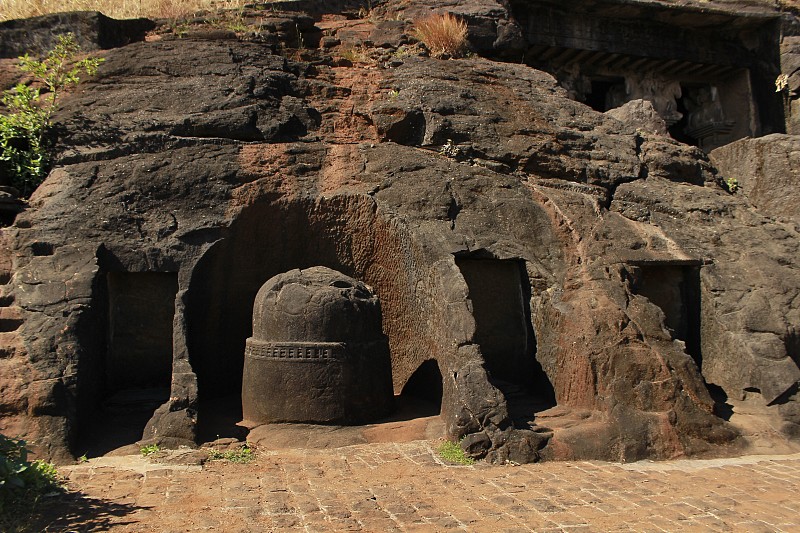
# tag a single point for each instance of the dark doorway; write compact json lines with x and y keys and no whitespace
{"x":676,"y":290}
{"x":138,"y":364}
{"x":792,"y":343}
{"x":678,"y":130}
{"x":607,"y":93}
{"x":422,"y":393}
{"x":141,"y":309}
{"x":500,"y":294}
{"x":502,"y":326}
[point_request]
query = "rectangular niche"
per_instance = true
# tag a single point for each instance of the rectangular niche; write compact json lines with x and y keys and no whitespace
{"x":141,"y":310}
{"x":502,"y":322}
{"x":676,"y":290}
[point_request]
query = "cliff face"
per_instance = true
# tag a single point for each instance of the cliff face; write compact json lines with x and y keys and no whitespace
{"x":581,"y":279}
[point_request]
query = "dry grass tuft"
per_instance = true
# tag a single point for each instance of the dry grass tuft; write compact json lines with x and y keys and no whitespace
{"x":444,"y":35}
{"x":15,"y":9}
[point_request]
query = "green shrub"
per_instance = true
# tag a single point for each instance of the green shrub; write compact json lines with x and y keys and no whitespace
{"x":150,"y":449}
{"x":244,"y":454}
{"x":22,"y":483}
{"x":23,"y":146}
{"x":453,"y":453}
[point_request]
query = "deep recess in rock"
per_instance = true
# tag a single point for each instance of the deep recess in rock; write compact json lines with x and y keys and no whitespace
{"x":133,"y":373}
{"x":501,"y":307}
{"x":426,"y":384}
{"x":639,"y":302}
{"x":141,"y":307}
{"x":676,"y":291}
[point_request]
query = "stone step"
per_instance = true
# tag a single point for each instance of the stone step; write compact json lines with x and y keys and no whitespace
{"x":11,"y":318}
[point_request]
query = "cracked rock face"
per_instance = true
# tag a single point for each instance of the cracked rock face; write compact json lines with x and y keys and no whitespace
{"x":639,"y":279}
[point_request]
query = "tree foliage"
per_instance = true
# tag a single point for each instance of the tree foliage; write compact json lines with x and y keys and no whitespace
{"x":24,"y":150}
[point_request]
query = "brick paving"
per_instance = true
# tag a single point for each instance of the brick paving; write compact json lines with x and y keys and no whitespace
{"x":406,"y":487}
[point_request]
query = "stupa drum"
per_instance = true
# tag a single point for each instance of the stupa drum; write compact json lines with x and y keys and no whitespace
{"x":317,"y":353}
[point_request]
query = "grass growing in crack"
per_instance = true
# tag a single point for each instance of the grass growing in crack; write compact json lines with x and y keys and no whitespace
{"x":243,"y":454}
{"x":452,"y":453}
{"x":150,"y":449}
{"x":354,"y":55}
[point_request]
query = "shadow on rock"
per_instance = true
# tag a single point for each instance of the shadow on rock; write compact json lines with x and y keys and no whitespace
{"x":75,"y":511}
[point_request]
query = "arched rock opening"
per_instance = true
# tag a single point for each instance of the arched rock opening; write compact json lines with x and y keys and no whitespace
{"x":343,"y":233}
{"x":422,"y":393}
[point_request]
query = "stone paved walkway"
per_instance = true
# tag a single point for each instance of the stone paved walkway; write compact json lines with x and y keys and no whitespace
{"x":406,"y":487}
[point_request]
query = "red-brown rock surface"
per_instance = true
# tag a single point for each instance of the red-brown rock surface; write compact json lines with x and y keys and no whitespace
{"x":220,"y":164}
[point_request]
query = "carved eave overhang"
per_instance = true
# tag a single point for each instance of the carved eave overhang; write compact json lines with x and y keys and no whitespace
{"x":722,"y":15}
{"x":627,"y":31}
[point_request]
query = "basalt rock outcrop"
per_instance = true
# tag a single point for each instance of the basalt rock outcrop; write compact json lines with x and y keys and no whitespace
{"x":92,"y":31}
{"x":582,"y":281}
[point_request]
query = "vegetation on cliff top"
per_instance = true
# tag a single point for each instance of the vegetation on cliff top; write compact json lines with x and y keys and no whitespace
{"x":443,"y":34}
{"x":121,"y":9}
{"x":24,"y":150}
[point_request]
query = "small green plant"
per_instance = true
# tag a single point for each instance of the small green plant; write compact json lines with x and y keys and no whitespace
{"x":150,"y":449}
{"x":732,"y":184}
{"x":453,"y":453}
{"x":404,"y":51}
{"x":23,"y":147}
{"x":22,"y":483}
{"x":236,"y":21}
{"x":393,"y":94}
{"x":83,"y":459}
{"x":243,"y":454}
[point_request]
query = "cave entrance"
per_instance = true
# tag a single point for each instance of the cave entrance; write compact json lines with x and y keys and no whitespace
{"x":500,"y":294}
{"x":676,"y":290}
{"x":141,"y":309}
{"x":679,"y":130}
{"x":607,"y":92}
{"x":498,"y":306}
{"x":422,"y":393}
{"x":138,"y":365}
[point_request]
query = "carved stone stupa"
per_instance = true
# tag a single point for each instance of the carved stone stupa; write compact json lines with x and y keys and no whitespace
{"x":317,"y":353}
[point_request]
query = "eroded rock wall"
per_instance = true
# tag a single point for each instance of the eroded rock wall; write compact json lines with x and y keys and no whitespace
{"x":225,"y":164}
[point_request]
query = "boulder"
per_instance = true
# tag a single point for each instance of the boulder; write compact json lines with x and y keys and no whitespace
{"x":766,"y":171}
